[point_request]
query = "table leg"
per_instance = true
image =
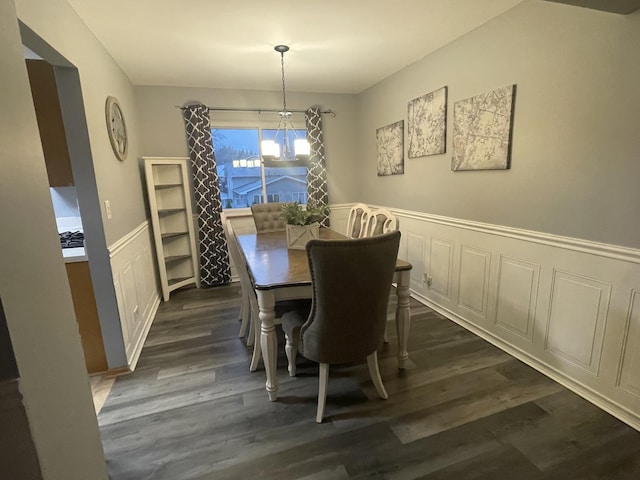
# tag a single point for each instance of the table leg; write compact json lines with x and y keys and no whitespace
{"x":403,"y":317}
{"x":268,"y":340}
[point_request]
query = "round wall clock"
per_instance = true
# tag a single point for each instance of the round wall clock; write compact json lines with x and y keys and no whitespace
{"x":116,"y":128}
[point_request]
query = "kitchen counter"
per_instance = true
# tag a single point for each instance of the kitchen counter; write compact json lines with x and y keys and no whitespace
{"x":72,"y":255}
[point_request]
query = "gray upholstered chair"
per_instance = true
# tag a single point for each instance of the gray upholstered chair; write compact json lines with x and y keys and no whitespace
{"x":351,"y":282}
{"x":267,"y":217}
{"x":358,"y":220}
{"x":249,"y":303}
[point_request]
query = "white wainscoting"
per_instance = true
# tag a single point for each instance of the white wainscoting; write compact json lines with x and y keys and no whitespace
{"x":568,"y":307}
{"x":137,"y":288}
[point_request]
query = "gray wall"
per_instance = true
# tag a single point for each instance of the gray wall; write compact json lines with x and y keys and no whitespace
{"x":163,"y":133}
{"x":100,"y":77}
{"x":86,"y":75}
{"x":575,"y":165}
{"x":34,"y":288}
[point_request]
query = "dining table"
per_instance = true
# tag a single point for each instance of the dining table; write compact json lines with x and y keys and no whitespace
{"x":280,"y":273}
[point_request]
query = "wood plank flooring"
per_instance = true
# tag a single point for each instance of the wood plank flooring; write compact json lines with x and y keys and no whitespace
{"x":463,"y":410}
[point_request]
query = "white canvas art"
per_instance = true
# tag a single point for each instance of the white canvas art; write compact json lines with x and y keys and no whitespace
{"x":482,"y":131}
{"x":427,"y":123}
{"x":390,"y":149}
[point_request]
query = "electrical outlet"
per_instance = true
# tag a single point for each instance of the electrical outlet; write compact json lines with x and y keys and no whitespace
{"x":427,"y":279}
{"x":107,"y":207}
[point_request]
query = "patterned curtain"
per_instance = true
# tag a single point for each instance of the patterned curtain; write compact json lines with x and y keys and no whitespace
{"x":317,"y":172}
{"x":214,"y":256}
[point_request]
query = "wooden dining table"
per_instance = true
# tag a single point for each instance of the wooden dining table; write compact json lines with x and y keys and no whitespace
{"x":280,"y":273}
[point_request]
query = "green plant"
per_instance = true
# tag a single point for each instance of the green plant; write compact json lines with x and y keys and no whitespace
{"x":295,"y":214}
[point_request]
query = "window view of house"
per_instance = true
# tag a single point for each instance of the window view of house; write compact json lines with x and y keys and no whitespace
{"x":243,"y":181}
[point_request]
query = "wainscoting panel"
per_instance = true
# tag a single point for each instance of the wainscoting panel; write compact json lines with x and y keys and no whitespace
{"x":137,"y":289}
{"x":567,"y":307}
{"x":131,"y":306}
{"x":120,"y":295}
{"x":440,"y":267}
{"x":473,"y":280}
{"x":575,"y":330}
{"x":517,"y":293}
{"x":415,"y":256}
{"x":629,"y":378}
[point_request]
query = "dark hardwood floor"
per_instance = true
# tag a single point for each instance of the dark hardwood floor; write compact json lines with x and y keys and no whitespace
{"x":463,"y":410}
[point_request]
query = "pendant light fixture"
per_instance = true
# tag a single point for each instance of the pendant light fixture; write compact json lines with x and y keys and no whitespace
{"x":270,"y":149}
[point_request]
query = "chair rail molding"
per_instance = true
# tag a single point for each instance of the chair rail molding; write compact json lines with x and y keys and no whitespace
{"x":568,"y":307}
{"x":136,"y":285}
{"x":569,"y":243}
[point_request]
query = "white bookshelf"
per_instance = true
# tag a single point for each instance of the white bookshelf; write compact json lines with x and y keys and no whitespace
{"x":171,"y":219}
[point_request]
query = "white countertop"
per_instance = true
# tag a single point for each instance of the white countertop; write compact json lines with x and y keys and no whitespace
{"x":72,"y":255}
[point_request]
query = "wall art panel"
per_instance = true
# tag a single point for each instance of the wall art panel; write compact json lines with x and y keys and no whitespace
{"x":482,"y":127}
{"x":427,"y":123}
{"x":390,"y":149}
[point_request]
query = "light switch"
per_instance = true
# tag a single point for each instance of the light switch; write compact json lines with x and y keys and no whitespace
{"x":107,"y":207}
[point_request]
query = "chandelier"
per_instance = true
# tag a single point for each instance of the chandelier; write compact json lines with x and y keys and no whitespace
{"x":270,"y":149}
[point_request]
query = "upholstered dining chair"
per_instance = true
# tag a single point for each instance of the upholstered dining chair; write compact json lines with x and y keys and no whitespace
{"x":249,"y":302}
{"x":351,"y":282}
{"x":267,"y":217}
{"x":380,"y":221}
{"x":245,"y":284}
{"x":358,"y":220}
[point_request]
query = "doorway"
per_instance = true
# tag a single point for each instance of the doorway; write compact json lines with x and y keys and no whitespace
{"x":106,"y":331}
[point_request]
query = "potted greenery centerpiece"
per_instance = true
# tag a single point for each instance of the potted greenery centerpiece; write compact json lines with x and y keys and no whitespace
{"x":302,"y":223}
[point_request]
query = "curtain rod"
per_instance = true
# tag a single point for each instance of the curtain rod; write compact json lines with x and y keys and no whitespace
{"x":260,"y":110}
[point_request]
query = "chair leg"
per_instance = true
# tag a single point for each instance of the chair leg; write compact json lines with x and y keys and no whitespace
{"x":291,"y":349}
{"x":374,"y":371}
{"x":252,"y":326}
{"x":322,"y":390}
{"x":254,"y":334}
{"x":255,"y":357}
{"x":244,"y":317}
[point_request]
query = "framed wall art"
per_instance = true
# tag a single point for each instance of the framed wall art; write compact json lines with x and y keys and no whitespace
{"x":427,"y":124}
{"x":482,"y":129}
{"x":390,"y":149}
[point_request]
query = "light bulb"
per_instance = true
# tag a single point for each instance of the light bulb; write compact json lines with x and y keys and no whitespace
{"x":301,"y":147}
{"x":270,"y":149}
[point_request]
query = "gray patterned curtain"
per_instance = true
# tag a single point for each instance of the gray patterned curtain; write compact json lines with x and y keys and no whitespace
{"x":214,"y":256}
{"x":317,"y":172}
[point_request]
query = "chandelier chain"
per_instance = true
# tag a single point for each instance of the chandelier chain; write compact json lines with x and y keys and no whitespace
{"x":284,"y":96}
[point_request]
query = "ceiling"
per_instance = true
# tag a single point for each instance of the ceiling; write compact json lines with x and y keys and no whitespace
{"x":337,"y":46}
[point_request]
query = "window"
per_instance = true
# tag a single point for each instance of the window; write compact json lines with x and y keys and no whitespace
{"x":243,"y":180}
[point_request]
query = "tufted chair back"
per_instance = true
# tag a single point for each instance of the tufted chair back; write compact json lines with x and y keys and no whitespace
{"x":351,"y":285}
{"x":267,"y":217}
{"x":351,"y":282}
